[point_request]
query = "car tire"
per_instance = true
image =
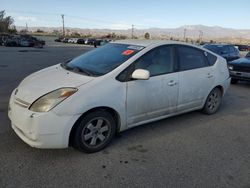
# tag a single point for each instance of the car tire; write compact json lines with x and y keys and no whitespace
{"x":213,"y":102}
{"x":234,"y":81}
{"x":94,"y":131}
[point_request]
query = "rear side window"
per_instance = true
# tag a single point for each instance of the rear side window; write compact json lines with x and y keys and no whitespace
{"x":211,"y":58}
{"x":191,"y":58}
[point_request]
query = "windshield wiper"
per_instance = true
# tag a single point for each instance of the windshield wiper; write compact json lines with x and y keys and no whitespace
{"x":84,"y":71}
{"x":64,"y":65}
{"x":80,"y":70}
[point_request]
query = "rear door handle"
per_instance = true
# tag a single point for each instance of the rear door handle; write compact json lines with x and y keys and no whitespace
{"x":172,"y":83}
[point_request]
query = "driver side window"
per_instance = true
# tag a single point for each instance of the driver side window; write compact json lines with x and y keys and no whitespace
{"x":157,"y":61}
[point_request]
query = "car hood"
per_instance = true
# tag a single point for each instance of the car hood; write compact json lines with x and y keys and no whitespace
{"x":47,"y":80}
{"x":245,"y":62}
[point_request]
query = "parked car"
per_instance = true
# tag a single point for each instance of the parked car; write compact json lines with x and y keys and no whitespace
{"x":229,"y":52}
{"x":70,"y":40}
{"x":80,"y":41}
{"x":25,"y":42}
{"x":90,"y":41}
{"x":85,"y":101}
{"x":59,"y":39}
{"x":12,"y":41}
{"x":240,"y":69}
{"x":242,"y":47}
{"x":33,"y":40}
{"x":65,"y":40}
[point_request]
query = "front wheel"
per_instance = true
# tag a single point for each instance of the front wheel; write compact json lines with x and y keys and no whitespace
{"x":94,"y":132}
{"x":213,"y":101}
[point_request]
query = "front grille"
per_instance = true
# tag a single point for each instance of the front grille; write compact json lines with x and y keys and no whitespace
{"x":241,"y":69}
{"x":21,"y":103}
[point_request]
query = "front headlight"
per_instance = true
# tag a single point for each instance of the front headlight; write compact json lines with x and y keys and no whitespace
{"x":50,"y":100}
{"x":230,"y":67}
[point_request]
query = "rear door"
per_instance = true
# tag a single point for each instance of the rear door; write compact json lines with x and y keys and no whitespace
{"x":196,"y":78}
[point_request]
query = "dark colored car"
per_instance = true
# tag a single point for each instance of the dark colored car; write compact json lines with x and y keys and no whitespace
{"x":80,"y":41}
{"x":229,"y":52}
{"x":90,"y":41}
{"x":243,"y":47}
{"x":12,"y":41}
{"x":24,"y":41}
{"x":240,"y":69}
{"x":59,"y":39}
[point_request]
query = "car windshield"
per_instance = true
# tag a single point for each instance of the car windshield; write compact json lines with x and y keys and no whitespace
{"x":102,"y":60}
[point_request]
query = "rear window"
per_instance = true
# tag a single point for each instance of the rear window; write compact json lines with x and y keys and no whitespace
{"x":103,"y":59}
{"x":191,"y":58}
{"x":211,"y":58}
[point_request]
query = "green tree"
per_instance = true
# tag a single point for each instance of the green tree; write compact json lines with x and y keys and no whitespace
{"x":5,"y":22}
{"x":147,"y":36}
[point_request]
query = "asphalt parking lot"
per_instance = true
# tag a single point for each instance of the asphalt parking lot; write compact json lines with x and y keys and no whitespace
{"x":190,"y":150}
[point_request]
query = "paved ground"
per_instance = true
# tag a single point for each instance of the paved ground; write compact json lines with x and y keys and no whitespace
{"x":191,"y":150}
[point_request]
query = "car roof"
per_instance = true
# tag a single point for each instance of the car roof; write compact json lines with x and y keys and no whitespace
{"x":146,"y":42}
{"x":219,"y":45}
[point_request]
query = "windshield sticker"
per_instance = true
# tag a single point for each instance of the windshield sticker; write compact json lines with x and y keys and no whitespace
{"x":135,"y":47}
{"x":128,"y":52}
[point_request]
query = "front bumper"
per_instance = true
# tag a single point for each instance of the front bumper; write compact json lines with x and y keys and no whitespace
{"x":240,"y":75}
{"x":40,"y":130}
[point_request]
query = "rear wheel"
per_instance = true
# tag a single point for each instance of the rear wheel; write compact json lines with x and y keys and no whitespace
{"x":213,"y":101}
{"x":94,"y":132}
{"x":234,"y":81}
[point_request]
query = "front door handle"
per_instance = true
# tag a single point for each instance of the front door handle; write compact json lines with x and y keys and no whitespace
{"x":172,"y":83}
{"x":209,"y":75}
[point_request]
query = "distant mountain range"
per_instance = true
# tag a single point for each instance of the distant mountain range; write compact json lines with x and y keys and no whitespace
{"x":191,"y":31}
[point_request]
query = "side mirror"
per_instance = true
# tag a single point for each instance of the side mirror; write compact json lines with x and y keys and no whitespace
{"x":141,"y":74}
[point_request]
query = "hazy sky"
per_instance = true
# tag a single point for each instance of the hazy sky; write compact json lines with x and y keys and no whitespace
{"x":122,"y":14}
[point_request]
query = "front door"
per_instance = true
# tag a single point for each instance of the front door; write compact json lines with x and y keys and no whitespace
{"x":158,"y":96}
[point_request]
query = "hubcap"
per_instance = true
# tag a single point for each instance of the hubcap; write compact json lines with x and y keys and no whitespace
{"x":213,"y":101}
{"x":96,"y":132}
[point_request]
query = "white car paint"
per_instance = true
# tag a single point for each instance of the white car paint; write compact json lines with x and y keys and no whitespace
{"x":166,"y":95}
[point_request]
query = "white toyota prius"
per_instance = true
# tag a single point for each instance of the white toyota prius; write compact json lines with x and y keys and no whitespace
{"x":85,"y":101}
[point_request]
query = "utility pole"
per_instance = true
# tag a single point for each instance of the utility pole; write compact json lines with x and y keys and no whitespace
{"x":26,"y":27}
{"x":63,"y":24}
{"x":132,"y":32}
{"x":184,"y":34}
{"x":200,"y":35}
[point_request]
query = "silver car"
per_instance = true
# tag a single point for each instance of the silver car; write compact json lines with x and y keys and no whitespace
{"x":85,"y":101}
